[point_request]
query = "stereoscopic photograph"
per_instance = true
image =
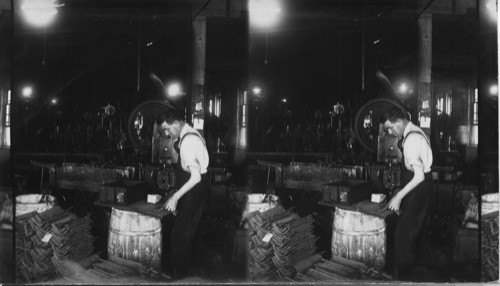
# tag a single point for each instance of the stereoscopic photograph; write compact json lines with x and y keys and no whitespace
{"x":248,"y":141}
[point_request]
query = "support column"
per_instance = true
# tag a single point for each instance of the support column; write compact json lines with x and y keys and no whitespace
{"x":3,"y":106}
{"x":198,"y":73}
{"x":242,"y":118}
{"x":424,"y":72}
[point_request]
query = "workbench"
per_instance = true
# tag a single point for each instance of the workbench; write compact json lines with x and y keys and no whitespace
{"x":366,"y":207}
{"x":141,"y":207}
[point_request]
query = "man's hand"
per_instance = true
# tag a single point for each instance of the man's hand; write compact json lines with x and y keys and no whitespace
{"x":194,"y":178}
{"x":395,"y":203}
{"x":418,"y":177}
{"x":171,"y":204}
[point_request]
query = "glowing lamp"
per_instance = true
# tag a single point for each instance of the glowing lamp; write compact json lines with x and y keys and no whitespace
{"x":403,"y":88}
{"x":39,"y":13}
{"x":27,"y":91}
{"x":174,"y":89}
{"x":491,"y":6}
{"x":264,"y":13}
{"x":494,"y":90}
{"x":256,"y":90}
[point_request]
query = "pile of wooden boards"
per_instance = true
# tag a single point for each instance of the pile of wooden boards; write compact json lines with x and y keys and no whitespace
{"x":54,"y":235}
{"x":489,"y":247}
{"x":72,"y":239}
{"x":260,"y":264}
{"x":278,"y":239}
{"x":293,"y":240}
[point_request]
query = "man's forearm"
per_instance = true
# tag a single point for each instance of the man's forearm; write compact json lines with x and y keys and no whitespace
{"x":194,"y":179}
{"x":418,"y":177}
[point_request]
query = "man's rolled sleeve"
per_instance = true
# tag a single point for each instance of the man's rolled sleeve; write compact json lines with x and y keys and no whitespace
{"x":189,"y":149}
{"x":412,"y":151}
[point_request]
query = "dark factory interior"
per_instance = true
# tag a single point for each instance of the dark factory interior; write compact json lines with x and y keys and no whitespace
{"x":304,"y":179}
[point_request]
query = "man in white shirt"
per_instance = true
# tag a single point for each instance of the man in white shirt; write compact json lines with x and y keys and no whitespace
{"x":414,"y":198}
{"x":189,"y":201}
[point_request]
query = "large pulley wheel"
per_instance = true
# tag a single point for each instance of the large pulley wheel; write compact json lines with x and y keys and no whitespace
{"x":366,"y":124}
{"x":142,"y":121}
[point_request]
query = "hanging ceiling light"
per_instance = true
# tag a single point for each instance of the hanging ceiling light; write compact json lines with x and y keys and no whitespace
{"x":403,"y":88}
{"x":27,"y":91}
{"x":174,"y":89}
{"x":264,"y":13}
{"x":492,"y":9}
{"x":256,"y":90}
{"x":39,"y":13}
{"x":494,"y":90}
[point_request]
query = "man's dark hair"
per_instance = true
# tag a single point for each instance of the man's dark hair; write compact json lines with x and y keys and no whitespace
{"x":393,"y":115}
{"x":169,"y":117}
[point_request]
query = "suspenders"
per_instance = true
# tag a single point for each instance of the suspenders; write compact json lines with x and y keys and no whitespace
{"x":176,"y":144}
{"x":400,"y":143}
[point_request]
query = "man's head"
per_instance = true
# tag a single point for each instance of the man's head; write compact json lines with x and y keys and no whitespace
{"x":171,"y":124}
{"x":394,"y":122}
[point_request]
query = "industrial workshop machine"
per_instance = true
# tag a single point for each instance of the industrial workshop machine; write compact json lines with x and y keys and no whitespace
{"x":146,"y":137}
{"x":344,"y":183}
{"x":372,"y":137}
{"x":124,"y":184}
{"x":144,"y":134}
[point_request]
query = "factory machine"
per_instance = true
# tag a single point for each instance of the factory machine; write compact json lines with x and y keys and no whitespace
{"x":372,"y":137}
{"x":146,"y":137}
{"x":150,"y":170}
{"x":348,"y":182}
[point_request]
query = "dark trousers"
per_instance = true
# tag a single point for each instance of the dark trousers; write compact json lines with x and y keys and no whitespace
{"x":410,"y":235}
{"x":189,"y":211}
